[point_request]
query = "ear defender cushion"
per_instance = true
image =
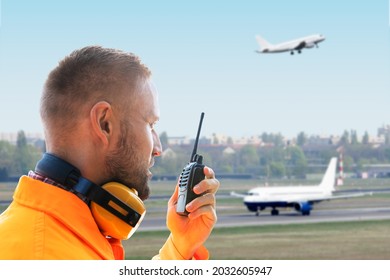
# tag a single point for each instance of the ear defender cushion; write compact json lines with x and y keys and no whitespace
{"x":108,"y":223}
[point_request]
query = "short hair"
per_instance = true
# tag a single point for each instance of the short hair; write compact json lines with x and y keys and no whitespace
{"x":86,"y":76}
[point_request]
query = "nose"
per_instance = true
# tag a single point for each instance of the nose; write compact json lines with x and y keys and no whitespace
{"x":157,"y":148}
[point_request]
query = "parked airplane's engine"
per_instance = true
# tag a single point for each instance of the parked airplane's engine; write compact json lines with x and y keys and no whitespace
{"x":303,"y":207}
{"x":252,"y":208}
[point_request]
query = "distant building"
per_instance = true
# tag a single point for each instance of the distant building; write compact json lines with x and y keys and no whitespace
{"x":377,"y":170}
{"x":322,"y":140}
{"x":183,"y":140}
{"x":242,"y":141}
{"x":228,"y":151}
{"x":168,"y":153}
{"x":384,"y":131}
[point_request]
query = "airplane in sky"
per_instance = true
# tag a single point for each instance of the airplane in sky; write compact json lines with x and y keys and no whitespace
{"x":290,"y":46}
{"x":301,"y":198}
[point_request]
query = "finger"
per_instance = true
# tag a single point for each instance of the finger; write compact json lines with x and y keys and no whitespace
{"x":201,"y":201}
{"x":207,"y":213}
{"x":208,"y":172}
{"x":173,"y":199}
{"x":207,"y":185}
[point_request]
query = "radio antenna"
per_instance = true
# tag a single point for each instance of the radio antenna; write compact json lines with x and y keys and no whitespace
{"x":197,"y":137}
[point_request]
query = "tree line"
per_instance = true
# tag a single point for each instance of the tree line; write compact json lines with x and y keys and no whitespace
{"x":18,"y":159}
{"x":275,"y":160}
{"x":278,"y":159}
{"x":270,"y":162}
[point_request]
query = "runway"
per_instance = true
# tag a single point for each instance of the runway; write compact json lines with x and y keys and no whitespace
{"x":246,"y":218}
{"x":315,"y":217}
{"x":236,"y":215}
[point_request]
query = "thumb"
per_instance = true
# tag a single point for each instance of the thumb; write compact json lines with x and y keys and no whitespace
{"x":173,"y":199}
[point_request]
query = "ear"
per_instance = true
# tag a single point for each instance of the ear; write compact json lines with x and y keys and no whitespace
{"x":101,"y":121}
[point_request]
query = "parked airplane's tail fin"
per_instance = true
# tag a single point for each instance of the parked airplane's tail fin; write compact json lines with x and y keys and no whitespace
{"x":264,"y":44}
{"x":328,"y":181}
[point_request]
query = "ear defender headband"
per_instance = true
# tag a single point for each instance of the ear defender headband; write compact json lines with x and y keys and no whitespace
{"x":117,"y":209}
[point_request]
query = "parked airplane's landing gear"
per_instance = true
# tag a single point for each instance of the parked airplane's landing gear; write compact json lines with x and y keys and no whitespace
{"x":274,"y":212}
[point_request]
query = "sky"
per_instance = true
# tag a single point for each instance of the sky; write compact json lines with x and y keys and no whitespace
{"x":202,"y":57}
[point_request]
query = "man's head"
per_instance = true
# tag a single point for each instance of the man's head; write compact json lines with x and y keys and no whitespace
{"x":98,"y":109}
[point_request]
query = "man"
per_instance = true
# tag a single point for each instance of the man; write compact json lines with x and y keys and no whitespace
{"x":99,"y":109}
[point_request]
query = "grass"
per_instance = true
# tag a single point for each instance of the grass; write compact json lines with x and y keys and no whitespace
{"x":362,"y":240}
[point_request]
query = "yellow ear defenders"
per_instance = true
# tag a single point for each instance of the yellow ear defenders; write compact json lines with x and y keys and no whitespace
{"x":108,"y":222}
{"x":117,"y":209}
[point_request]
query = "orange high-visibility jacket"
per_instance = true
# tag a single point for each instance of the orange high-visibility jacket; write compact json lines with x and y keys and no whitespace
{"x":47,"y":222}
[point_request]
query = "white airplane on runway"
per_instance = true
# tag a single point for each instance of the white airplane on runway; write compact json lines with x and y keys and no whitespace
{"x":290,"y":46}
{"x":301,"y":198}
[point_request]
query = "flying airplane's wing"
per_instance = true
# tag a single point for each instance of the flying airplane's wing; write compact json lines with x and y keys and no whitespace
{"x":300,"y":46}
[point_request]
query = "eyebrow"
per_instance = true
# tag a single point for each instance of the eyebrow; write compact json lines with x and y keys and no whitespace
{"x":151,"y":116}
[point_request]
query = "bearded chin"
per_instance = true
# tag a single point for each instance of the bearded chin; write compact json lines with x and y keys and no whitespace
{"x":123,"y":166}
{"x":134,"y":178}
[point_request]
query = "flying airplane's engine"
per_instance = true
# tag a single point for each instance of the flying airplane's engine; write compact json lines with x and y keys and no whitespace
{"x":303,"y":207}
{"x":310,"y":45}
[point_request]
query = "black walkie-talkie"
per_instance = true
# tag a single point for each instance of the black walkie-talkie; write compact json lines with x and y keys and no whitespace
{"x":192,"y":174}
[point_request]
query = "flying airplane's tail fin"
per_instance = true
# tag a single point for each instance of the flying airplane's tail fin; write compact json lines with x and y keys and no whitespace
{"x":328,"y":181}
{"x":264,"y":45}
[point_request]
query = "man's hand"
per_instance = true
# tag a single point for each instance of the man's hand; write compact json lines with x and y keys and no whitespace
{"x":189,"y":233}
